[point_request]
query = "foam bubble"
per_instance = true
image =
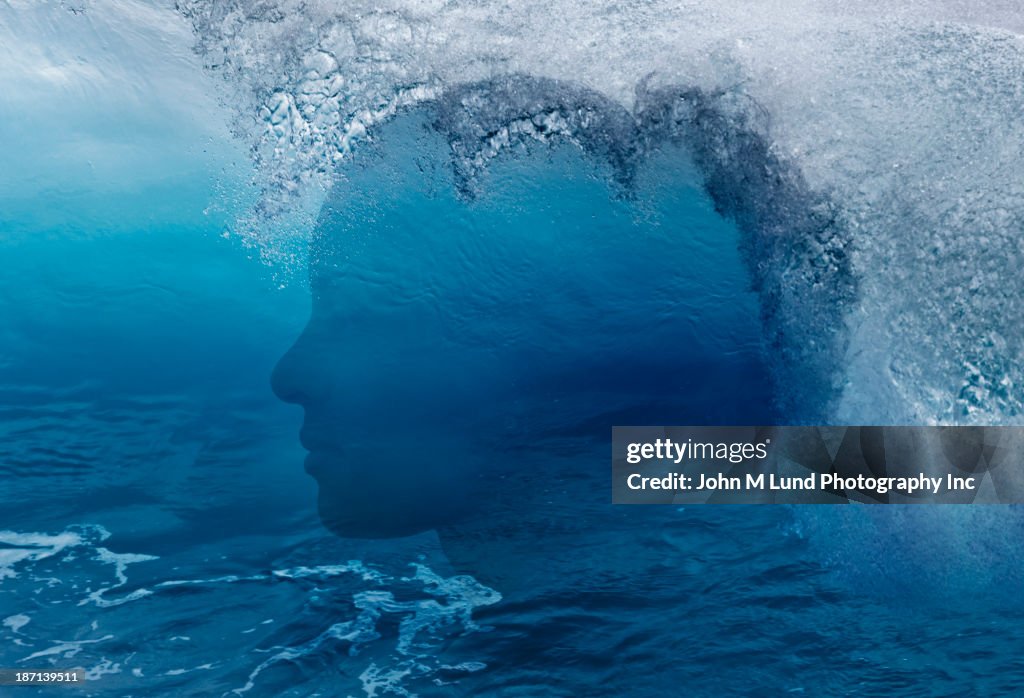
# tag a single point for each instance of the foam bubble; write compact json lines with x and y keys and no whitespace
{"x":24,"y":548}
{"x":16,"y":622}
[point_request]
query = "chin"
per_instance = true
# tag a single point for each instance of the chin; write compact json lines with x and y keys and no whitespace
{"x":372,"y":517}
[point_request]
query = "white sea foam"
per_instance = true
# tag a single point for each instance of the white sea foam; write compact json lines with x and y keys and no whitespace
{"x":16,"y":622}
{"x":67,"y":649}
{"x":907,"y":114}
{"x":421,"y":621}
{"x":21,"y":548}
{"x":120,"y":562}
{"x":101,"y":669}
{"x":77,"y":568}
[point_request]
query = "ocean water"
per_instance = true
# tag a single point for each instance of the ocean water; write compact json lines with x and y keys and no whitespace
{"x":315,"y":318}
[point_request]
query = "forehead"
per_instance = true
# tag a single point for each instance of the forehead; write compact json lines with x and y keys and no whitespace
{"x":538,"y":209}
{"x":546,"y":239}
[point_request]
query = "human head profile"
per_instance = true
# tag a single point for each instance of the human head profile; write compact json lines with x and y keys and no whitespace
{"x":497,"y":278}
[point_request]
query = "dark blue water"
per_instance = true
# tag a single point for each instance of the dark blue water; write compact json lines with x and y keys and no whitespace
{"x":475,"y":320}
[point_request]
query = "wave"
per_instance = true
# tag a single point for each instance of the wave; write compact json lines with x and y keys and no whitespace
{"x":796,"y":245}
{"x":898,"y":131}
{"x":870,"y":161}
{"x":900,"y":119}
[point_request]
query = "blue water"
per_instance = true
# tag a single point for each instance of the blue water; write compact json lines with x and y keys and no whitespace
{"x":373,"y":460}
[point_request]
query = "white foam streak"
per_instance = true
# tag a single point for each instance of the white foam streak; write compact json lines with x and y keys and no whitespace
{"x":23,"y":548}
{"x":439,"y":607}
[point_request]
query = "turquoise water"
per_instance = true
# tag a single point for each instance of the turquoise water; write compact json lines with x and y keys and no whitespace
{"x":359,"y":446}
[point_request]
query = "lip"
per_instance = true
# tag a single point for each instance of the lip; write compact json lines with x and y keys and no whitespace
{"x":310,"y":436}
{"x":312,"y":464}
{"x":322,"y":452}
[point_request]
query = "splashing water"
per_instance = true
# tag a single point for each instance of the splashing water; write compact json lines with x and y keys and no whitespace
{"x":73,"y":568}
{"x":906,"y":116}
{"x":869,"y":158}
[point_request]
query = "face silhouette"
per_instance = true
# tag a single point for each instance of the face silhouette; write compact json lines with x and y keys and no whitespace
{"x":467,"y":356}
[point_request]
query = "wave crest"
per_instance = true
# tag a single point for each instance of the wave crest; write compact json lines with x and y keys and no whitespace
{"x":898,"y":132}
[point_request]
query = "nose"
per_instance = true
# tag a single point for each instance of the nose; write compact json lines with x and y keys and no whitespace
{"x":292,"y":379}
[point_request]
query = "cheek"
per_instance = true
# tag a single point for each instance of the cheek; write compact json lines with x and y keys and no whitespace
{"x":383,"y":364}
